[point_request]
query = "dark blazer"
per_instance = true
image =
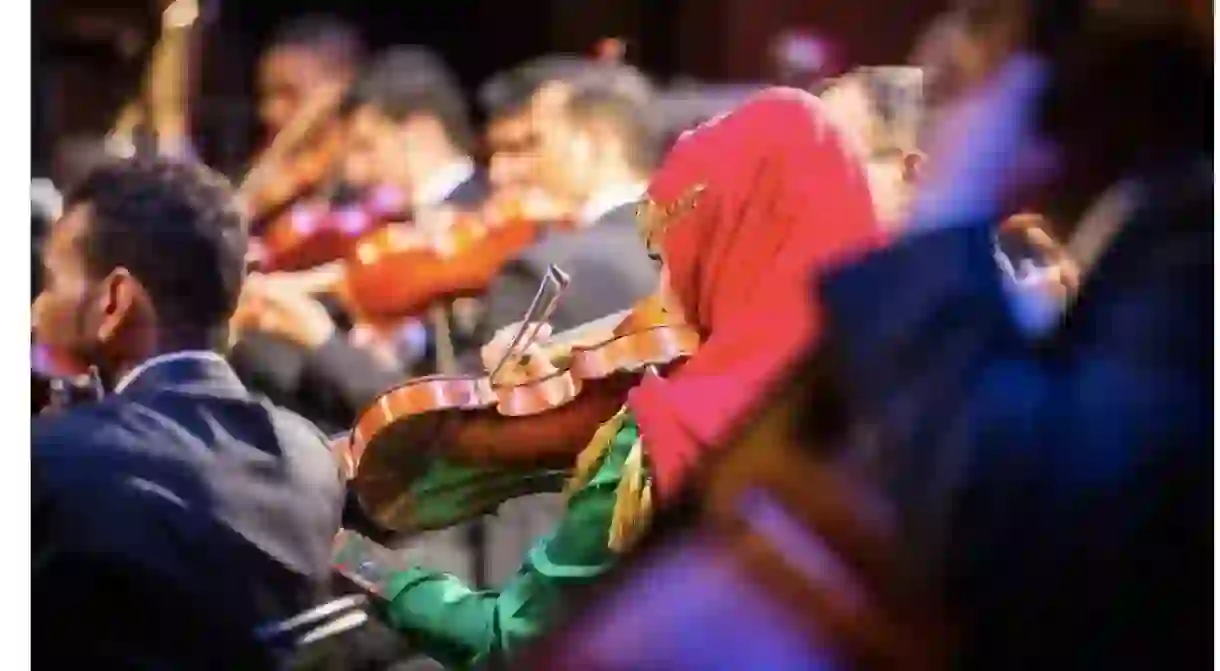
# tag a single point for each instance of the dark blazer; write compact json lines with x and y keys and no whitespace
{"x":1062,"y":491}
{"x":607,"y":261}
{"x":171,"y":519}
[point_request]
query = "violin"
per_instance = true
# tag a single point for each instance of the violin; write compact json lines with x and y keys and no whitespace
{"x":314,"y":232}
{"x":529,"y":427}
{"x":401,"y":270}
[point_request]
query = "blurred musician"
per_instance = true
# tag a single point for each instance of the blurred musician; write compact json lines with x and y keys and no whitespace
{"x":738,"y":214}
{"x":306,"y":57}
{"x":406,"y":128}
{"x":1056,"y":483}
{"x":195,"y":510}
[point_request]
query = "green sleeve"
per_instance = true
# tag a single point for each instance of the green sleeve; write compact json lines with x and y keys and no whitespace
{"x":460,"y":627}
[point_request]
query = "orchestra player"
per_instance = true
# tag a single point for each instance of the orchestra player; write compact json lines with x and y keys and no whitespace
{"x":179,"y":513}
{"x":738,"y":214}
{"x":306,"y":57}
{"x":1057,"y":487}
{"x":406,"y":128}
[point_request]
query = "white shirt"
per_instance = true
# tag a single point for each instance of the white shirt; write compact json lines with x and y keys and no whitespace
{"x":442,"y":183}
{"x":197,"y":355}
{"x":608,"y":198}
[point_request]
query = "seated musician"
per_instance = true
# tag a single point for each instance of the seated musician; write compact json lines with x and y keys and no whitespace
{"x":179,"y":513}
{"x":739,"y":213}
{"x":580,"y":113}
{"x":1057,"y":491}
{"x":306,"y":57}
{"x":408,"y":129}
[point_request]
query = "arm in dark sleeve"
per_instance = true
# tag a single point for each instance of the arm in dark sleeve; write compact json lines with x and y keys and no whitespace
{"x":351,"y":374}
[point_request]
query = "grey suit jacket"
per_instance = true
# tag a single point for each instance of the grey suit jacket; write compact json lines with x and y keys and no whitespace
{"x":608,"y":264}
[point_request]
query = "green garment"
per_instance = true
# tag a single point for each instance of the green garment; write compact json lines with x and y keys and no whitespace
{"x":460,"y":627}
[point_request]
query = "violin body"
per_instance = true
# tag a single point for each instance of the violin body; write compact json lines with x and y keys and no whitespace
{"x":312,"y":233}
{"x":399,"y":271}
{"x":537,"y":426}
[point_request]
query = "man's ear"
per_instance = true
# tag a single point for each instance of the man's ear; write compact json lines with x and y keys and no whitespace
{"x":119,"y":296}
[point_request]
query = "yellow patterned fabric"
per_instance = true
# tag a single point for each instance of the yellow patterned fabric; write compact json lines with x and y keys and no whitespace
{"x":595,"y":451}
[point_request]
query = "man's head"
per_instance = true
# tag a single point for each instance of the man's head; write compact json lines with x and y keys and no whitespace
{"x":595,"y":131}
{"x":507,"y":99}
{"x":148,"y":257}
{"x":406,"y":118}
{"x":305,"y":55}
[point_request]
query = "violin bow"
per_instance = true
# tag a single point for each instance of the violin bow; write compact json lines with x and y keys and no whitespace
{"x":546,"y":299}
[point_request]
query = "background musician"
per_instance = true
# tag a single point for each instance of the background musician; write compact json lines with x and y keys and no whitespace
{"x":1055,"y":477}
{"x":406,"y":127}
{"x":598,"y":142}
{"x":778,"y":194}
{"x":196,"y":509}
{"x":306,"y":57}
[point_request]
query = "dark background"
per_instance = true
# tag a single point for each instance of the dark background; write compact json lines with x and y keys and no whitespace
{"x":80,"y":81}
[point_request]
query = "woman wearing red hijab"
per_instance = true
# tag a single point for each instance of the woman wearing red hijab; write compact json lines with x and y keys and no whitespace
{"x":741,"y":212}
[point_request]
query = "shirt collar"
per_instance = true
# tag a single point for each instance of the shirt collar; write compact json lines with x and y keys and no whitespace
{"x":183,"y":355}
{"x":442,"y":183}
{"x":609,"y":198}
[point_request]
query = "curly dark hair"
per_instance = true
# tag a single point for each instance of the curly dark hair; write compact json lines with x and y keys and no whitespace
{"x":176,"y":227}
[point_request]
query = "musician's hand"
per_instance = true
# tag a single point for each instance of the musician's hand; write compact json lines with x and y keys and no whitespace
{"x":530,"y":363}
{"x":280,"y":309}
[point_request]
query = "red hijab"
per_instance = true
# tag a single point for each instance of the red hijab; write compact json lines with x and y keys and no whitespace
{"x":783,"y":198}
